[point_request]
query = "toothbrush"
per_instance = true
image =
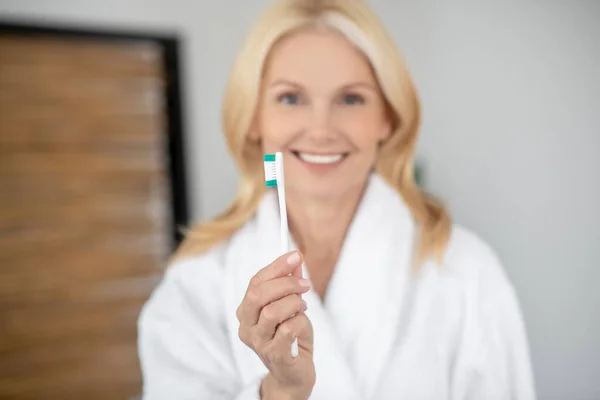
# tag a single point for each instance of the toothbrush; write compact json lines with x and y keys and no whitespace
{"x":274,"y":178}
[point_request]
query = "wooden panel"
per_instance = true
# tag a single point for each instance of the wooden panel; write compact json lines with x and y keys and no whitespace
{"x":84,"y":206}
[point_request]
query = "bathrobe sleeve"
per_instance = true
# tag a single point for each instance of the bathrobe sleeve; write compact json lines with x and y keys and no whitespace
{"x":493,"y":361}
{"x":182,"y":340}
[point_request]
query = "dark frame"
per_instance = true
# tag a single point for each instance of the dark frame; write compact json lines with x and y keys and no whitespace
{"x":171,"y":45}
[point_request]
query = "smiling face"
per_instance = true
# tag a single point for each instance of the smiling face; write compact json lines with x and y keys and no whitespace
{"x":321,"y":106}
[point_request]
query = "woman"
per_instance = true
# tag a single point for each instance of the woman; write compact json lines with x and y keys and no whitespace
{"x":395,"y":303}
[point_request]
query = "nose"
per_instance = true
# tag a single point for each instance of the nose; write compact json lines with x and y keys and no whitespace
{"x":321,"y":129}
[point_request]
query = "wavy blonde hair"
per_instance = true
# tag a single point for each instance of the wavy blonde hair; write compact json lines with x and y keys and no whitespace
{"x":355,"y":20}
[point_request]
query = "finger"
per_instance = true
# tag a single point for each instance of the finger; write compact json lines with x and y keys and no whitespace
{"x":276,"y":313}
{"x":259,"y":296}
{"x":279,"y":350}
{"x":297,"y":271}
{"x":282,"y":266}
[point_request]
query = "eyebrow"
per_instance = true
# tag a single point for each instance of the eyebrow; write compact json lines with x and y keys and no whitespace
{"x":350,"y":85}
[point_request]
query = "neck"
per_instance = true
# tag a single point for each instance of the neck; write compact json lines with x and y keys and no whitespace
{"x":319,"y":226}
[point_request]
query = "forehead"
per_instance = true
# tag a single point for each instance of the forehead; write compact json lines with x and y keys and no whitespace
{"x":317,"y":56}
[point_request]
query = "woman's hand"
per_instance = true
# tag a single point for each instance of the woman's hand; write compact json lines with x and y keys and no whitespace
{"x":271,"y":316}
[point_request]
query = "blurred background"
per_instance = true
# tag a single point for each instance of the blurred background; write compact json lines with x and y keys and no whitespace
{"x":107,"y":154}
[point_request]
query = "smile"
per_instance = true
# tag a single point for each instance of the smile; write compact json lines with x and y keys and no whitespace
{"x":312,"y":158}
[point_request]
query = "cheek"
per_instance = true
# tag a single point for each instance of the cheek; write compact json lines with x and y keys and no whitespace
{"x":278,"y":126}
{"x":363,"y":126}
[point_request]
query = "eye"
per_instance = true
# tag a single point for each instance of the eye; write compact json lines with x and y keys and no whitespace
{"x":353,"y":99}
{"x":288,"y":98}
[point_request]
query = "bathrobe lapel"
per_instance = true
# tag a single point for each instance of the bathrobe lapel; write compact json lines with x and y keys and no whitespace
{"x":370,"y":283}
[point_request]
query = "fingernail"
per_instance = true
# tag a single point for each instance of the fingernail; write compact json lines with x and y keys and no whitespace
{"x":304,"y":282}
{"x":293,"y":258}
{"x":304,"y":305}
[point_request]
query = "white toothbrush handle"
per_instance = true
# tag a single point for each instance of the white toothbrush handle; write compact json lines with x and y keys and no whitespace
{"x":284,"y":232}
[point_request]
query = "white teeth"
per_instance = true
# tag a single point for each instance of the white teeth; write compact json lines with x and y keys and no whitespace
{"x":321,"y":159}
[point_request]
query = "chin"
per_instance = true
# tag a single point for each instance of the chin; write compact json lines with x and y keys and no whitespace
{"x":322,"y":189}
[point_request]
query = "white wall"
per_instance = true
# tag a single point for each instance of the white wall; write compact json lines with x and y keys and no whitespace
{"x":512,"y":138}
{"x":511,"y":96}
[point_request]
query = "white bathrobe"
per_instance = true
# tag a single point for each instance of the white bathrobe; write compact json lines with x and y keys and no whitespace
{"x":382,"y":332}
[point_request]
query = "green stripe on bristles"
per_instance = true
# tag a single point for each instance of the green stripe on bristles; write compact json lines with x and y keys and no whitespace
{"x":270,"y":171}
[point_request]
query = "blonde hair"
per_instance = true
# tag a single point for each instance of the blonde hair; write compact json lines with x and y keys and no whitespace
{"x":355,"y":20}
